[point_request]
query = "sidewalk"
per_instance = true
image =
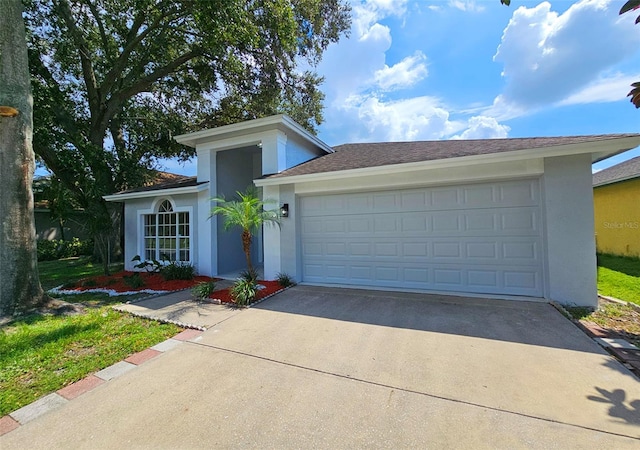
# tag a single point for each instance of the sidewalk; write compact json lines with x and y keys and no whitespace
{"x":181,"y":309}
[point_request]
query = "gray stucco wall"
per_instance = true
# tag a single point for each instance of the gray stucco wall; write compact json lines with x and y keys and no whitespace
{"x":133,"y":211}
{"x":235,"y":171}
{"x":571,"y":249}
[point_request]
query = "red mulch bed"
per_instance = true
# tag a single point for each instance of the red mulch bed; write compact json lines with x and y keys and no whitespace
{"x":270,"y":287}
{"x":117,"y":282}
{"x":154,"y":281}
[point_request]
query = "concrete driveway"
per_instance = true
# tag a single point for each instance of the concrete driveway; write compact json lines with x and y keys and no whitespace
{"x":332,"y":368}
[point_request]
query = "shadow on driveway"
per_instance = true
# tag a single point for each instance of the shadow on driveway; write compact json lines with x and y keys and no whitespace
{"x":524,"y":322}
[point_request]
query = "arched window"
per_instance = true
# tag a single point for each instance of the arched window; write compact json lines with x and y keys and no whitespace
{"x":166,"y":234}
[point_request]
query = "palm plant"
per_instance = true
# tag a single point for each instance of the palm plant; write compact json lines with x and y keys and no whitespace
{"x":248,"y":214}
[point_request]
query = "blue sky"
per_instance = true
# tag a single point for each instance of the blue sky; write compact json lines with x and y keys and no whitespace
{"x":451,"y":69}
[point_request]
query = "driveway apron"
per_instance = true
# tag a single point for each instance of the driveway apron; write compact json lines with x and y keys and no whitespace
{"x":339,"y":368}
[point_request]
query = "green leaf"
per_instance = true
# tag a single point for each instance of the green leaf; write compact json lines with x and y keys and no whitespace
{"x":630,"y":5}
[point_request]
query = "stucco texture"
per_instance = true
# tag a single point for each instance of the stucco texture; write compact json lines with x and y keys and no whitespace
{"x":617,"y":218}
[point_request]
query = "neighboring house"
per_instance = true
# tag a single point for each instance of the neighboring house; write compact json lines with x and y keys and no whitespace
{"x":51,"y":226}
{"x":616,"y":196}
{"x":508,"y":218}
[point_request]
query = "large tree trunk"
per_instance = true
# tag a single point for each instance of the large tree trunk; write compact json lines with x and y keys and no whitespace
{"x":19,"y":282}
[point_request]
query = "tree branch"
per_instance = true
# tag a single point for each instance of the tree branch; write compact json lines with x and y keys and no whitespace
{"x":85,"y":59}
{"x":103,"y":35}
{"x":116,"y":101}
{"x":132,"y":41}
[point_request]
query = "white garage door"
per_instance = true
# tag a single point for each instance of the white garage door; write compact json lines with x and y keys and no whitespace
{"x":482,"y":238}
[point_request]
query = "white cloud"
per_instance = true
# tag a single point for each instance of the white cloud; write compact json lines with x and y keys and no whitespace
{"x":548,"y":57}
{"x":605,"y":89}
{"x":419,"y":118}
{"x":404,"y":74}
{"x":483,"y":127}
{"x":365,"y":95}
{"x":367,"y":13}
{"x":467,"y":5}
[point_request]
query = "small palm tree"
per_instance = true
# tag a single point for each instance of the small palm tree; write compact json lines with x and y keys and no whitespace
{"x":248,"y":214}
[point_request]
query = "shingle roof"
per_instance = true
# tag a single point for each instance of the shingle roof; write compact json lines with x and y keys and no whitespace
{"x":164,"y":180}
{"x":620,"y":172}
{"x":357,"y":156}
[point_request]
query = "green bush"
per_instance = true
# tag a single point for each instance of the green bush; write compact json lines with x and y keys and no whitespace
{"x":244,"y":291}
{"x":58,"y":249}
{"x":284,"y":279}
{"x":134,"y":281}
{"x":178,"y":271}
{"x":203,"y":290}
{"x":249,"y":275}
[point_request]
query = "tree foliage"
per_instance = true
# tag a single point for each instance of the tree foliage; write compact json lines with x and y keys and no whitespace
{"x":115,"y":80}
{"x":633,"y":5}
{"x":630,"y":5}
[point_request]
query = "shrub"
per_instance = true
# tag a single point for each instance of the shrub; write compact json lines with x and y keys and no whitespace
{"x":133,"y":281}
{"x":203,"y":290}
{"x":284,"y":280}
{"x":178,"y":271}
{"x":57,"y":249}
{"x":244,"y":291}
{"x":249,"y":275}
{"x":152,"y":266}
{"x":89,"y":283}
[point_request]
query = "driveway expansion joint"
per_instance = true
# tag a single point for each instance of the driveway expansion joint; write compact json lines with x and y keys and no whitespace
{"x":411,"y":391}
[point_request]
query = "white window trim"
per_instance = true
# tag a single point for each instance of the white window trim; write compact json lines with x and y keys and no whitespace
{"x":154,"y":210}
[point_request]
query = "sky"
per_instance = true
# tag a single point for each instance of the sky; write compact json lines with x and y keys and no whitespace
{"x":470,"y":69}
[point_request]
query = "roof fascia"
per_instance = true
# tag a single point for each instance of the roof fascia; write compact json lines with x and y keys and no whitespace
{"x":617,"y":180}
{"x":606,"y":147}
{"x":156,"y":193}
{"x":278,"y":122}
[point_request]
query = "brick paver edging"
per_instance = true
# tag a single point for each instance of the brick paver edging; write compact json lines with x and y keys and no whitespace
{"x":62,"y":396}
{"x":612,"y":342}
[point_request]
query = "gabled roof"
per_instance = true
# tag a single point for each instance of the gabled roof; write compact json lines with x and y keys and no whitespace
{"x":626,"y":170}
{"x":166,"y":182}
{"x":370,"y":155}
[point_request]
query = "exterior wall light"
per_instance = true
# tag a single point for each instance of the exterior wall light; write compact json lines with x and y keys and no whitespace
{"x":284,"y":210}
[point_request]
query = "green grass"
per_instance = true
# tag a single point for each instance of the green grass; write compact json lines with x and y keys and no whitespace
{"x":41,"y":354}
{"x":55,"y":273}
{"x":619,"y":277}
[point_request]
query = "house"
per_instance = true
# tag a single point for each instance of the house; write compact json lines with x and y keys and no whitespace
{"x":616,"y":197}
{"x":507,"y":218}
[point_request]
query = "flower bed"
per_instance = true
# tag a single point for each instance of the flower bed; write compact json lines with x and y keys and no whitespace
{"x":122,"y":283}
{"x":267,"y":289}
{"x":125,"y":283}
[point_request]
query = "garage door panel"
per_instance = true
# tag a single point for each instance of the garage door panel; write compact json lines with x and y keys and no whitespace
{"x":483,"y":238}
{"x":488,"y":280}
{"x":471,"y":251}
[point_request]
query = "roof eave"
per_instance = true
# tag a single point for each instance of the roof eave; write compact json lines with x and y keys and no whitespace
{"x":617,"y":180}
{"x":156,"y":192}
{"x":600,"y":149}
{"x":280,"y":121}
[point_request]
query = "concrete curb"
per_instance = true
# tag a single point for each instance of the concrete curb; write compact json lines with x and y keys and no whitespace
{"x":66,"y":394}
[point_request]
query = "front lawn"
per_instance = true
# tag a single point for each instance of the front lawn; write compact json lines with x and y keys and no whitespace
{"x":40,"y":354}
{"x":56,"y":273}
{"x":619,"y":277}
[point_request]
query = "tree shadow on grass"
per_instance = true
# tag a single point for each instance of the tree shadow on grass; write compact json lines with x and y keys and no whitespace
{"x":37,"y":339}
{"x":616,"y":398}
{"x":623,"y":264}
